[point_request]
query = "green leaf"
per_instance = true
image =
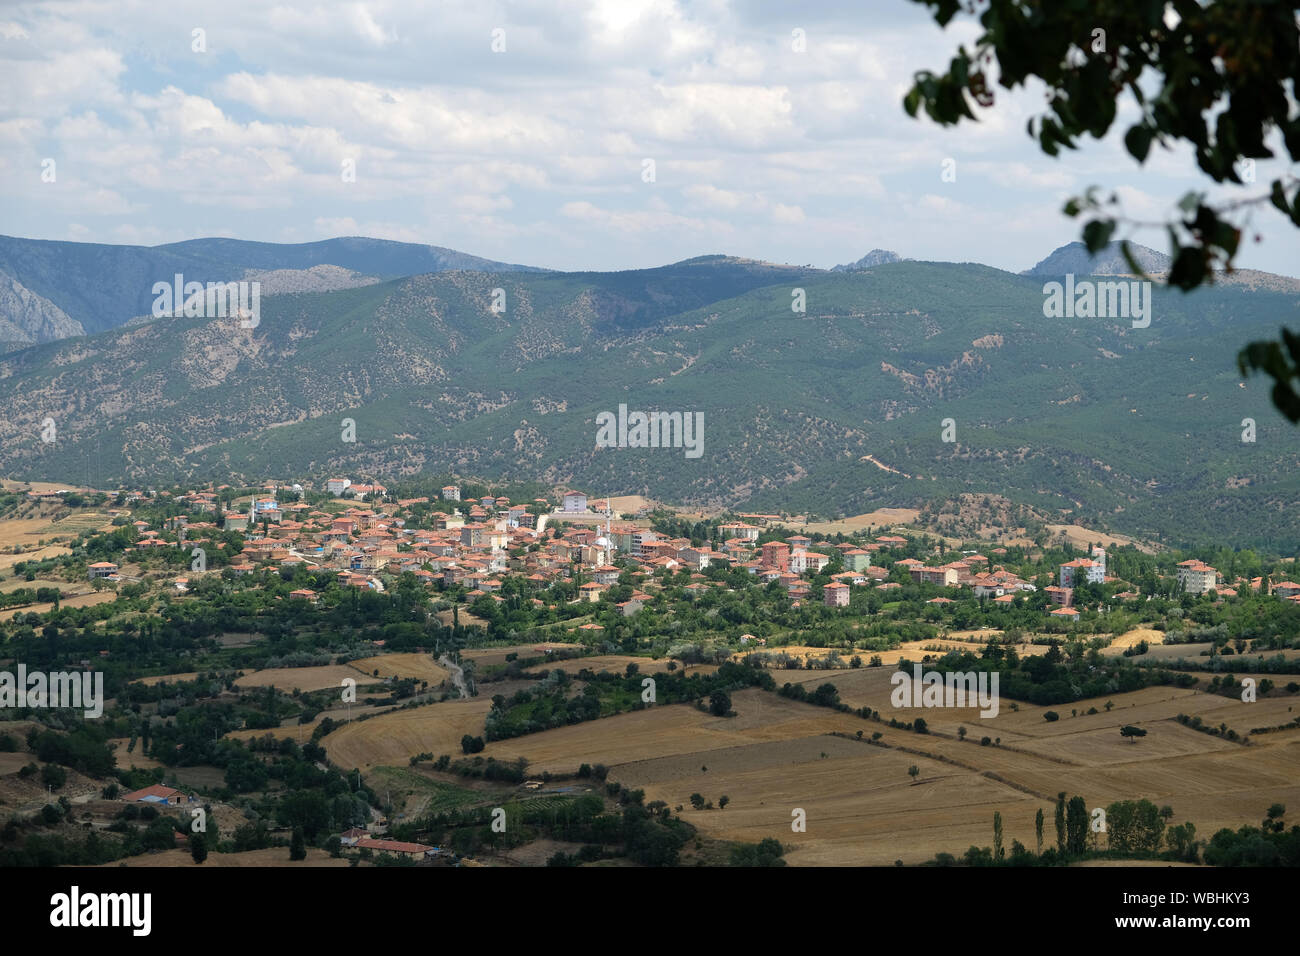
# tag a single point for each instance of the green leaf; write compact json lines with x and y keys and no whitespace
{"x":912,"y":101}
{"x":1138,"y":141}
{"x":1097,"y":233}
{"x":1129,"y":258}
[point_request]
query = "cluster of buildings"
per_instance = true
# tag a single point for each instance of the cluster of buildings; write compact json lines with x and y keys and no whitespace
{"x":478,"y":542}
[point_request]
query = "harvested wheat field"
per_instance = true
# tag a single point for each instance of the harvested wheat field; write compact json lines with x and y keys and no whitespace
{"x":169,"y":678}
{"x":880,"y":518}
{"x":292,"y":730}
{"x":863,"y":807}
{"x":490,"y":656}
{"x":421,"y":667}
{"x":77,"y":600}
{"x":305,"y":678}
{"x":135,"y":758}
{"x":392,"y":739}
{"x":1135,"y":637}
{"x":669,"y":730}
{"x":617,"y":664}
{"x":272,"y":856}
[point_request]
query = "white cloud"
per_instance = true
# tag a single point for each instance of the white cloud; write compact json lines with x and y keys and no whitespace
{"x":458,"y":146}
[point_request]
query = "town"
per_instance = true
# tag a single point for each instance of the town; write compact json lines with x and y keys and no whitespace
{"x":449,"y":675}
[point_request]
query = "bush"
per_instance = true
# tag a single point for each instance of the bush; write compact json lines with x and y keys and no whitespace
{"x":1051,"y":716}
{"x":53,"y":776}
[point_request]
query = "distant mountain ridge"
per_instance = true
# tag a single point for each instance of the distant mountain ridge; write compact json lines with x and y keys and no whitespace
{"x":876,"y":257}
{"x":1073,"y":259}
{"x":51,"y":289}
{"x":835,"y":409}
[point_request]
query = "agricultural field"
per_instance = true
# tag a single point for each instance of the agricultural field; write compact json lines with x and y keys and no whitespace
{"x":413,"y":792}
{"x":27,"y":533}
{"x":306,"y":679}
{"x":880,"y":518}
{"x":272,"y":856}
{"x":420,"y":667}
{"x":126,"y":760}
{"x":862,"y":805}
{"x":290,"y":729}
{"x":392,"y":739}
{"x":616,"y":664}
{"x":77,"y":600}
{"x":496,"y":656}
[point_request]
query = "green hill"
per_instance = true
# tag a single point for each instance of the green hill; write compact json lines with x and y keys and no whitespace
{"x":1137,"y":430}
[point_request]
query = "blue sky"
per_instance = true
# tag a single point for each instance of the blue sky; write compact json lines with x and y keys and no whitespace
{"x":535,"y":154}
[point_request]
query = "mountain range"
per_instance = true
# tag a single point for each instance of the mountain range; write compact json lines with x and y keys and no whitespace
{"x":49,"y":290}
{"x":501,"y":372}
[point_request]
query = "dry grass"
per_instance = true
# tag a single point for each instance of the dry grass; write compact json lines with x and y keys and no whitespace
{"x":490,"y":656}
{"x":421,"y":667}
{"x":880,"y":518}
{"x":272,"y":856}
{"x":77,"y":600}
{"x":617,"y":664}
{"x":306,"y":679}
{"x":862,"y":806}
{"x":392,"y":739}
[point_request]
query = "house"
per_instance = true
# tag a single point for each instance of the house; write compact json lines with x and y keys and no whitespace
{"x":856,"y":559}
{"x":393,"y":847}
{"x":450,"y":493}
{"x":101,"y":569}
{"x":836,"y":594}
{"x":1061,"y":596}
{"x":157,"y":794}
{"x":803,"y":560}
{"x":575,"y":502}
{"x":336,"y":486}
{"x":945,"y":576}
{"x":1081,"y":570}
{"x":776,"y":555}
{"x":1286,"y":589}
{"x":1063,"y":613}
{"x":350,"y":837}
{"x":1196,"y":577}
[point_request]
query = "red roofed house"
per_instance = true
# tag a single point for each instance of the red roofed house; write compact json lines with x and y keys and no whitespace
{"x":836,"y":594}
{"x":157,"y":794}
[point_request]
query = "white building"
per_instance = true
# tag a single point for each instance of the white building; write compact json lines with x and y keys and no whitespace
{"x":575,"y":501}
{"x":1080,"y":570}
{"x":336,"y":486}
{"x":1196,"y":577}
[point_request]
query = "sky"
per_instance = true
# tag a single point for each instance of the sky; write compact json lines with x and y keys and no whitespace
{"x":524,"y":132}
